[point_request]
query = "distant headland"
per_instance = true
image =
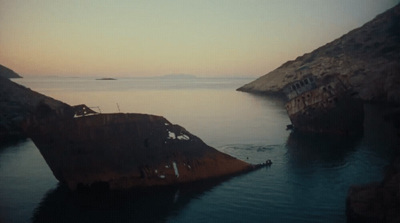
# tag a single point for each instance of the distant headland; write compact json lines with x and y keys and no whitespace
{"x":8,"y":73}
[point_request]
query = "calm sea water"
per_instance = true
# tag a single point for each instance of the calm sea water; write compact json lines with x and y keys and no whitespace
{"x":307,"y":182}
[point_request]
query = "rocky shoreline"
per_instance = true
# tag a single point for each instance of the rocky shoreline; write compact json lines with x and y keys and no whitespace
{"x":18,"y":103}
{"x":6,"y":72}
{"x":326,"y":88}
{"x":366,"y":61}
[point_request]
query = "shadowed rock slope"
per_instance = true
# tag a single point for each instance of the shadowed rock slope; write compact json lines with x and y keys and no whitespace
{"x":8,"y":73}
{"x":16,"y":104}
{"x":368,"y":57}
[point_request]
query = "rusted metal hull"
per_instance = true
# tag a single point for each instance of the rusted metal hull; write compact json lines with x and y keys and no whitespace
{"x":324,"y":110}
{"x":127,"y":150}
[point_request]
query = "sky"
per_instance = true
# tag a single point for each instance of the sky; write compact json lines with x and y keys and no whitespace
{"x":157,"y":37}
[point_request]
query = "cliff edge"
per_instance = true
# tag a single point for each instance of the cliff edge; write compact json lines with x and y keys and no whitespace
{"x":368,"y":57}
{"x":367,"y":62}
{"x":16,"y":104}
{"x":8,"y":73}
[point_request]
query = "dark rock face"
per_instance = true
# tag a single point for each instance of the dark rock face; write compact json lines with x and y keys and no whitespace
{"x":376,"y":202}
{"x":8,"y":73}
{"x":127,"y":150}
{"x":325,"y":88}
{"x":16,"y":104}
{"x":367,"y":62}
{"x":368,"y":57}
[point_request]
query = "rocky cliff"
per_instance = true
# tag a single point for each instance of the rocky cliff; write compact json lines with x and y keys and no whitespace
{"x":16,"y":104}
{"x":367,"y":61}
{"x":8,"y":73}
{"x":368,"y":57}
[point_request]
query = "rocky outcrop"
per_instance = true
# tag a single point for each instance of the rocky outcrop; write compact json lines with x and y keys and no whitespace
{"x":16,"y":104}
{"x":376,"y":202}
{"x":366,"y":61}
{"x":368,"y":58}
{"x":126,"y":150}
{"x":8,"y":73}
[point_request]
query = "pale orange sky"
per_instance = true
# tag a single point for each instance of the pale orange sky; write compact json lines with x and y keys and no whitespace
{"x":151,"y":38}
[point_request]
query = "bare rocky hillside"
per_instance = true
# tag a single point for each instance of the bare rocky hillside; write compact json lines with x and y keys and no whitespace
{"x":368,"y":57}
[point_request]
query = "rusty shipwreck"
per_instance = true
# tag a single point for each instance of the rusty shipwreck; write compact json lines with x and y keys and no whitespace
{"x":83,"y":148}
{"x":325,"y":105}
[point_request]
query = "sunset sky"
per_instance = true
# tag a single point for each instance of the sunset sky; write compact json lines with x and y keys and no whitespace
{"x":150,"y":38}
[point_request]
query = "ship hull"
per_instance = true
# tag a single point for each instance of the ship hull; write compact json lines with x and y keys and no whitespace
{"x":127,"y":150}
{"x":317,"y":111}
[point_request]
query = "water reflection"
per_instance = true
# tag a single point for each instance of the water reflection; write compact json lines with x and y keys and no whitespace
{"x":330,"y":150}
{"x":138,"y":205}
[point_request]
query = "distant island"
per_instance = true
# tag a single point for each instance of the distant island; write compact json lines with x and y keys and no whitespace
{"x":106,"y":79}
